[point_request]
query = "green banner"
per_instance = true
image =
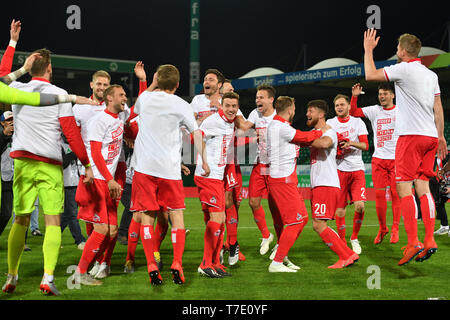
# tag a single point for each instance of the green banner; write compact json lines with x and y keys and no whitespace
{"x":81,"y":63}
{"x":194,"y":57}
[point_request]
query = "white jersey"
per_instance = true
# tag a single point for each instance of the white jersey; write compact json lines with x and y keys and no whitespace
{"x":384,"y":135}
{"x":107,"y":128}
{"x":261,"y":123}
{"x":281,"y":152}
{"x":158,"y":143}
{"x":415,"y":89}
{"x":201,"y":105}
{"x":84,"y":113}
{"x":323,"y":164}
{"x":219,"y":134}
{"x":37,"y":130}
{"x":350,"y":129}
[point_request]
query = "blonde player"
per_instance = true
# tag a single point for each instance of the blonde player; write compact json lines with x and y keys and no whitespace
{"x":350,"y":166}
{"x":36,"y":150}
{"x":420,"y":126}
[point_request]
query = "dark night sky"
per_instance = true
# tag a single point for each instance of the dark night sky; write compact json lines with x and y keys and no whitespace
{"x":236,"y":36}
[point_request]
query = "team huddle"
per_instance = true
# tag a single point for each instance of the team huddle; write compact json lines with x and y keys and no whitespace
{"x":407,"y":138}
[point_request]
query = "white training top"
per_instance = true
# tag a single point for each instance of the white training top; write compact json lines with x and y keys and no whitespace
{"x":323,"y":164}
{"x":281,"y":152}
{"x":37,"y":129}
{"x":415,"y":89}
{"x":218,"y":133}
{"x":84,"y":113}
{"x":201,"y":105}
{"x":261,"y":124}
{"x":158,"y":143}
{"x":108,"y":130}
{"x":384,"y":135}
{"x":350,"y":129}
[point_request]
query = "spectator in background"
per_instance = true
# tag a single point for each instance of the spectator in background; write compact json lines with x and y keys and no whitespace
{"x":6,"y":169}
{"x":439,"y":187}
{"x":71,"y":173}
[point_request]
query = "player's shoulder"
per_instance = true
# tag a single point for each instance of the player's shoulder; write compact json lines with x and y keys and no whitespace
{"x":198,"y":98}
{"x":332,"y":121}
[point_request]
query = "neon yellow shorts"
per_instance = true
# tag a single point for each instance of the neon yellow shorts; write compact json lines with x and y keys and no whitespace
{"x":34,"y":178}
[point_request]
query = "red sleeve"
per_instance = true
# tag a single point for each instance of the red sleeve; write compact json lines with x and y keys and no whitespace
{"x":354,"y":110}
{"x":96,"y":152}
{"x":72,"y":133}
{"x":142,"y":87}
{"x":242,"y":141}
{"x":364,"y":139}
{"x":121,"y":173}
{"x":131,"y":130}
{"x":305,"y":138}
{"x":7,"y":61}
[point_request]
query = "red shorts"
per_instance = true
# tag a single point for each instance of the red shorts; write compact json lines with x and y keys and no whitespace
{"x":258,"y":181}
{"x":414,"y":158}
{"x":383,"y":173}
{"x":353,"y":186}
{"x":288,"y":199}
{"x":150,"y":193}
{"x":233,"y":180}
{"x":211,"y":193}
{"x":95,"y":203}
{"x":323,"y":202}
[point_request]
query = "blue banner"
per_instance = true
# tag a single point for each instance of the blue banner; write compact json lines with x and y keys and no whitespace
{"x":292,"y":78}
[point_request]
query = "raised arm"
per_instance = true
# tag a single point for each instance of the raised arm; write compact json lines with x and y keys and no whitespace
{"x":370,"y":42}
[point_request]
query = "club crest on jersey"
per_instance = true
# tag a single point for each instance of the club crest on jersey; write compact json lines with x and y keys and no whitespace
{"x":213,"y":200}
{"x":299,"y":216}
{"x":96,"y":218}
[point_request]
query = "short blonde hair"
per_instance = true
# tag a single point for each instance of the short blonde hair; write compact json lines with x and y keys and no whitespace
{"x":341,"y":96}
{"x":411,"y":44}
{"x":168,"y":77}
{"x":110,"y":91}
{"x":101,"y":73}
{"x":283,"y":102}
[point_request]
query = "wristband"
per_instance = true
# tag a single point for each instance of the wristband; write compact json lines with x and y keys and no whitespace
{"x":64,"y":98}
{"x":13,"y":76}
{"x":12,"y":43}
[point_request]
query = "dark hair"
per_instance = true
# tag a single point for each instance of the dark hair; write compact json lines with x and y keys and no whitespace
{"x":40,"y":65}
{"x":386,"y":86}
{"x":230,"y":95}
{"x":218,"y":74}
{"x":319,"y":104}
{"x":270,"y":90}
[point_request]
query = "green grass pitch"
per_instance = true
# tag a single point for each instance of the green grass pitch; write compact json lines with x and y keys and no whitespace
{"x":375,"y":277}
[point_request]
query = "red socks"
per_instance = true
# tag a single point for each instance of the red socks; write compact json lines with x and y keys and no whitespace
{"x":409,"y":213}
{"x":133,"y":238}
{"x":109,"y":250}
{"x":178,"y":243}
{"x":232,"y":224}
{"x":340,"y":225}
{"x":260,"y":219}
{"x":160,"y":233}
{"x":335,"y":243}
{"x":216,"y":252}
{"x":288,"y":238}
{"x":212,"y":234}
{"x":147,"y":235}
{"x":381,"y":207}
{"x":357,"y":223}
{"x":92,"y":247}
{"x":428,"y":209}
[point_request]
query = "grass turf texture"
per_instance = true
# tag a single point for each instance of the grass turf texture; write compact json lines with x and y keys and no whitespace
{"x":251,"y":279}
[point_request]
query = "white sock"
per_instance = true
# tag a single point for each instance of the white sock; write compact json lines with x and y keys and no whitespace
{"x":49,"y":277}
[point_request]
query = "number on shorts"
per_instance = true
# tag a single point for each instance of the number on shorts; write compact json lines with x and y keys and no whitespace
{"x":231,"y":179}
{"x":363,"y":193}
{"x":320,"y":209}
